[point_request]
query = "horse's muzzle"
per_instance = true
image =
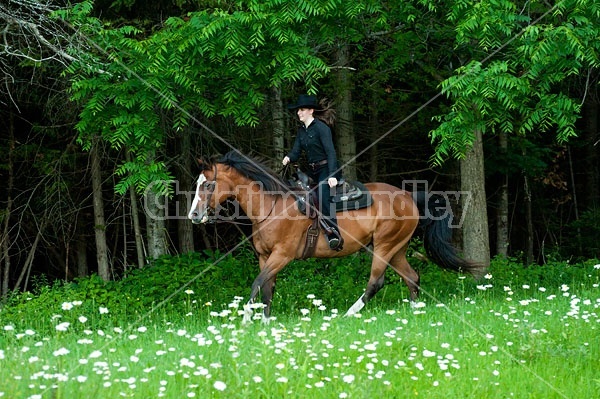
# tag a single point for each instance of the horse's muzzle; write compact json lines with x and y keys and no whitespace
{"x":200,"y":220}
{"x":201,"y":217}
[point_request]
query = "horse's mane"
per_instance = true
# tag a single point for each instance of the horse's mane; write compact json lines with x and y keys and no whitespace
{"x":254,"y":169}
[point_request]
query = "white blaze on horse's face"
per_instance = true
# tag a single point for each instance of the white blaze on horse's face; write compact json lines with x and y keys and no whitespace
{"x":198,"y":215}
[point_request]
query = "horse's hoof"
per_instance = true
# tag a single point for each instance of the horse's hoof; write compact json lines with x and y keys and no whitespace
{"x":248,"y":313}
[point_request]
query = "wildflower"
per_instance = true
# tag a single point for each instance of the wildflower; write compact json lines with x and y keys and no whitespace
{"x":95,"y":354}
{"x":81,"y":378}
{"x":63,"y":326}
{"x":189,"y":292}
{"x":61,"y":352}
{"x":9,"y":328}
{"x":427,"y":353}
{"x":283,"y":380}
{"x":82,"y":319}
{"x":219,"y":385}
{"x":67,"y":306}
{"x":257,"y":379}
{"x":142,"y":329}
{"x":349,"y":379}
{"x":597,"y":266}
{"x":103,"y":310}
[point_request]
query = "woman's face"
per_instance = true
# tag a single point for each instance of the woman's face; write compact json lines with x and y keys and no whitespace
{"x":305,"y":115}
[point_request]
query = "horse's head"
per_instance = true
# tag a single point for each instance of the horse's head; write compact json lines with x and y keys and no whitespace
{"x":212,"y":188}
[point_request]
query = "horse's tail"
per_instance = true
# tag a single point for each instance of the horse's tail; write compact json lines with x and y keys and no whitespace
{"x":435,"y":223}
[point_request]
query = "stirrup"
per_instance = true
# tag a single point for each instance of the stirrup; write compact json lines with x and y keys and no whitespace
{"x":334,"y":243}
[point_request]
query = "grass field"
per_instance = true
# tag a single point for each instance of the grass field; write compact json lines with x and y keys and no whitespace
{"x":497,"y":338}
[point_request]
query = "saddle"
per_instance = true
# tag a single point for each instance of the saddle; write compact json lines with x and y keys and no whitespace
{"x":349,"y":196}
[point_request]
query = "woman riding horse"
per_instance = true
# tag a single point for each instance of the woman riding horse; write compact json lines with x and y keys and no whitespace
{"x":279,"y":229}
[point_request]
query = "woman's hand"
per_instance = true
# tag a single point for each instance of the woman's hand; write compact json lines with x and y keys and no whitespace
{"x":332,"y":182}
{"x":286,"y":160}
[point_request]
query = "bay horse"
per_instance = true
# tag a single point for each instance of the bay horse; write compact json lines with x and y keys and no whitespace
{"x":279,"y":229}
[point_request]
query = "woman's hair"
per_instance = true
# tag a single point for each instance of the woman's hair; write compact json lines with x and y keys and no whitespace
{"x":325,"y":112}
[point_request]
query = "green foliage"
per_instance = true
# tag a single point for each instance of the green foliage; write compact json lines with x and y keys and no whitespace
{"x":136,"y":87}
{"x":212,"y":280}
{"x":581,"y":236}
{"x":519,"y":90}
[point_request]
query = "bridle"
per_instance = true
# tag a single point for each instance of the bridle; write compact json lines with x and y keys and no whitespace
{"x":211,"y":211}
{"x":210,"y":187}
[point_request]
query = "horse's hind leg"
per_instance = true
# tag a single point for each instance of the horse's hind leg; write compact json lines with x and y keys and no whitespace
{"x":408,"y":274}
{"x":375,"y":283}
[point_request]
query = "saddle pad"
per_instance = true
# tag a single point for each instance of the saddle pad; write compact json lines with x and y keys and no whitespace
{"x":363,"y":201}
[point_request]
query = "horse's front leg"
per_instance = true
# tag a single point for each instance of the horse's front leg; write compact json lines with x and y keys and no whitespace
{"x":265,"y":283}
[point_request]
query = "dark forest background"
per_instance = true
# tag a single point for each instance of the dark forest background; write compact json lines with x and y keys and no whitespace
{"x":101,"y":99}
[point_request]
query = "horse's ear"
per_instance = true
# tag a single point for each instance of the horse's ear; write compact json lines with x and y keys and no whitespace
{"x":203,"y":164}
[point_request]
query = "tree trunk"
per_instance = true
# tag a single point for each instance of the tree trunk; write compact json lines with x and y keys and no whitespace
{"x":185,"y":229}
{"x":502,"y":241}
{"x":278,"y":124}
{"x":528,"y":221}
{"x":344,"y":125}
{"x":155,"y":222}
{"x":31,"y":255}
{"x":81,"y":256}
{"x":374,"y":134}
{"x":135,"y":216}
{"x":476,"y":245}
{"x":5,"y":238}
{"x":137,"y":228}
{"x":99,"y":223}
{"x":592,"y":175}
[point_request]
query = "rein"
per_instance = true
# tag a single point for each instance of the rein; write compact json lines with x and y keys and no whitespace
{"x":211,"y":190}
{"x":213,"y":210}
{"x":270,"y":212}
